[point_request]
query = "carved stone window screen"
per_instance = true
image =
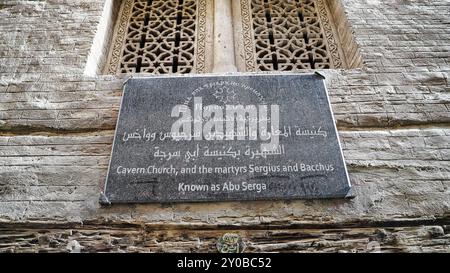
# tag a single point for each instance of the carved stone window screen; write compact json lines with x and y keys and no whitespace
{"x":290,"y":35}
{"x":159,"y":37}
{"x":179,"y":36}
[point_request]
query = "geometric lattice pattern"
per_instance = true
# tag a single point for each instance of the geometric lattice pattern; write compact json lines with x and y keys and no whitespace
{"x":159,"y":37}
{"x":288,"y":35}
{"x":175,"y":36}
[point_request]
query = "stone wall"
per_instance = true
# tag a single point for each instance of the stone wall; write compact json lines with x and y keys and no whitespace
{"x":57,"y":126}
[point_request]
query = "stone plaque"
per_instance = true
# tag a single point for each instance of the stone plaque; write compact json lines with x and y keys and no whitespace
{"x":225,"y":138}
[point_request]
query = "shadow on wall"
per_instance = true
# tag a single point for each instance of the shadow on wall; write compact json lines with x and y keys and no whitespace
{"x":344,"y":33}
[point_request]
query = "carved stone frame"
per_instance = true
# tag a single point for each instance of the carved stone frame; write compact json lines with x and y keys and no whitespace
{"x":343,"y":50}
{"x":245,"y":50}
{"x":203,"y":42}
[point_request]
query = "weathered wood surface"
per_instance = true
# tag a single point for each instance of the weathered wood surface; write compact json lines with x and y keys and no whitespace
{"x":427,"y":236}
{"x":56,"y":129}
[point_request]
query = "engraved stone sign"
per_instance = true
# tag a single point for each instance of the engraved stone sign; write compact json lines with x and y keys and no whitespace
{"x":225,"y":138}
